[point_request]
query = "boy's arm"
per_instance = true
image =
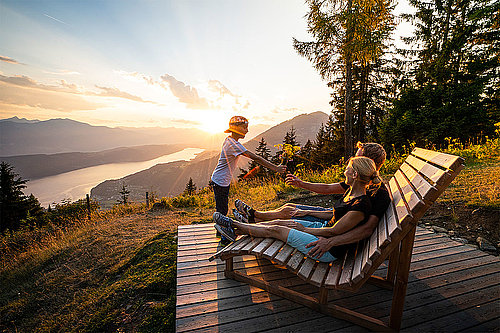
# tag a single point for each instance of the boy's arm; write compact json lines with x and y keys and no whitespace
{"x":264,"y":162}
{"x":320,"y":188}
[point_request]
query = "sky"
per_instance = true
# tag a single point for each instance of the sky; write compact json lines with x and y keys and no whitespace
{"x":142,"y":63}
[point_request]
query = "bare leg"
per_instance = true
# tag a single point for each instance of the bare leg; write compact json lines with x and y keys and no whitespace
{"x":283,"y":212}
{"x":258,"y":230}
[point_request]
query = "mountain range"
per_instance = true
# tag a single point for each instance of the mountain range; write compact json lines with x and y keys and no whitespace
{"x":171,"y":178}
{"x":26,"y":137}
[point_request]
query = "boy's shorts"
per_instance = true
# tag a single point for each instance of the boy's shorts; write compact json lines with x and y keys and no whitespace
{"x":312,"y":221}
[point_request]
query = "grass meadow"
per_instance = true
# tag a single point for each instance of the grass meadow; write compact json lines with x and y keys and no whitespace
{"x":117,"y":272}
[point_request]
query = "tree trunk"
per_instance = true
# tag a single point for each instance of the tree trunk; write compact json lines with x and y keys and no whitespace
{"x":362,"y":103}
{"x":348,"y":132}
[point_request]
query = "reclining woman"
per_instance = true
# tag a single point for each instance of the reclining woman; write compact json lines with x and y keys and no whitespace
{"x":351,"y":210}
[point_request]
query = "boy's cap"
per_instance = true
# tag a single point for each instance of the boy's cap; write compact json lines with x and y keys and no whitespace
{"x":235,"y":123}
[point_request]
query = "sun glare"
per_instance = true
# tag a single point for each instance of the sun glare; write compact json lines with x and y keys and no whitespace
{"x":214,"y":123}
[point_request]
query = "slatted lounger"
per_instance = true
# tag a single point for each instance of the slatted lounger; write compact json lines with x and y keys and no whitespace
{"x":415,"y":186}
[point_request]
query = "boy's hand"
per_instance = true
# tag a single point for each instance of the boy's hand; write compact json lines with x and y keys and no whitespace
{"x":292,"y":180}
{"x":281,"y":168}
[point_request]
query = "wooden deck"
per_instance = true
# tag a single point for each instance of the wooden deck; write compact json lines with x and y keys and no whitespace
{"x":452,"y":288}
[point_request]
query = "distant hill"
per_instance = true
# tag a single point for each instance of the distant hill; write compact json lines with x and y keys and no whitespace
{"x":306,"y":127}
{"x":24,"y":137}
{"x":53,"y":164}
{"x":165,"y":179}
{"x":171,"y":178}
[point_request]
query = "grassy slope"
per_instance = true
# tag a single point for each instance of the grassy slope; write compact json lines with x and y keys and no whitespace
{"x":119,"y":273}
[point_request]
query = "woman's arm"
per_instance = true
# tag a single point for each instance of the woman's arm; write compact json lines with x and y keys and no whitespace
{"x":320,"y":188}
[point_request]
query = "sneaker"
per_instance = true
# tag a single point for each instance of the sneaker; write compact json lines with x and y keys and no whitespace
{"x":222,"y":220}
{"x":240,"y":217}
{"x":243,"y":208}
{"x":227,"y":232}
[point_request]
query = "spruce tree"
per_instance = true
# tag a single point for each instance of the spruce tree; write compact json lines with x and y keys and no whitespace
{"x":453,"y":77}
{"x":124,"y":194}
{"x":190,"y":187}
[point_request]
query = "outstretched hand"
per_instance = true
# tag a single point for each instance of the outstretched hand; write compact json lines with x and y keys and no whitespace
{"x":319,"y":247}
{"x":292,"y":180}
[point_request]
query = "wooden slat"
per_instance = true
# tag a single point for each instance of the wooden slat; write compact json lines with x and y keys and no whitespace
{"x":273,"y":249}
{"x":433,"y":173}
{"x":284,"y":255}
{"x":357,"y":274}
{"x":319,"y":274}
{"x":374,"y":249}
{"x":402,"y":213}
{"x":367,"y":263}
{"x":240,"y":244}
{"x":345,"y":277}
{"x":259,"y":249}
{"x":227,"y":250}
{"x":295,"y":261}
{"x":383,"y":235}
{"x":306,"y":268}
{"x":414,"y":202}
{"x":427,"y":192}
{"x":332,"y":279}
{"x":247,"y":248}
{"x":445,"y":160}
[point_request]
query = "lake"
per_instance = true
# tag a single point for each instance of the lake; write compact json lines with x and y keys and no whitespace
{"x":74,"y":185}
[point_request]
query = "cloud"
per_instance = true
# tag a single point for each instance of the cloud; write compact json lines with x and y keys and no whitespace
{"x":217,"y":86}
{"x":24,"y":81}
{"x":10,"y":60}
{"x":114,"y":92}
{"x":63,"y":72}
{"x":186,"y":122}
{"x":186,"y":94}
{"x":31,"y":96}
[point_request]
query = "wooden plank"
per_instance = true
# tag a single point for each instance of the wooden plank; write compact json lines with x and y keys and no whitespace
{"x":284,"y":255}
{"x":436,"y":175}
{"x":306,"y":268}
{"x":401,"y":210}
{"x":273,"y":249}
{"x":383,"y":235}
{"x":319,"y":274}
{"x":240,"y":244}
{"x":345,"y":277}
{"x":357,"y":274}
{"x":259,"y":249}
{"x":374,"y":248}
{"x":295,"y":261}
{"x":367,"y":263}
{"x":247,"y":248}
{"x":428,"y":192}
{"x":442,"y":159}
{"x":415,"y":203}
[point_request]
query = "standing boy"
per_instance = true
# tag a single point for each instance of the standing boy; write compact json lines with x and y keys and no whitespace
{"x":231,"y":150}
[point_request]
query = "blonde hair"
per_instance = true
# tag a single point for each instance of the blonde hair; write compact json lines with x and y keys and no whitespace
{"x":374,"y":151}
{"x":366,"y":169}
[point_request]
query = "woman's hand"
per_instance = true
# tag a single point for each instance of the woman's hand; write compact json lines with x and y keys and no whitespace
{"x":319,"y":247}
{"x":281,"y":169}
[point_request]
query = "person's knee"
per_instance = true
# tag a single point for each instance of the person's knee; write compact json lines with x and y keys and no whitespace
{"x":276,"y":231}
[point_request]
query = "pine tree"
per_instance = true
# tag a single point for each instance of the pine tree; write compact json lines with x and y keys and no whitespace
{"x":14,"y":205}
{"x":124,"y":194}
{"x":454,"y":74}
{"x":350,"y":36}
{"x":190,"y":187}
{"x":253,"y":167}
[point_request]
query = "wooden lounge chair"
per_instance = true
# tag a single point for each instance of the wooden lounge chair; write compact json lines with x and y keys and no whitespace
{"x":415,"y":186}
